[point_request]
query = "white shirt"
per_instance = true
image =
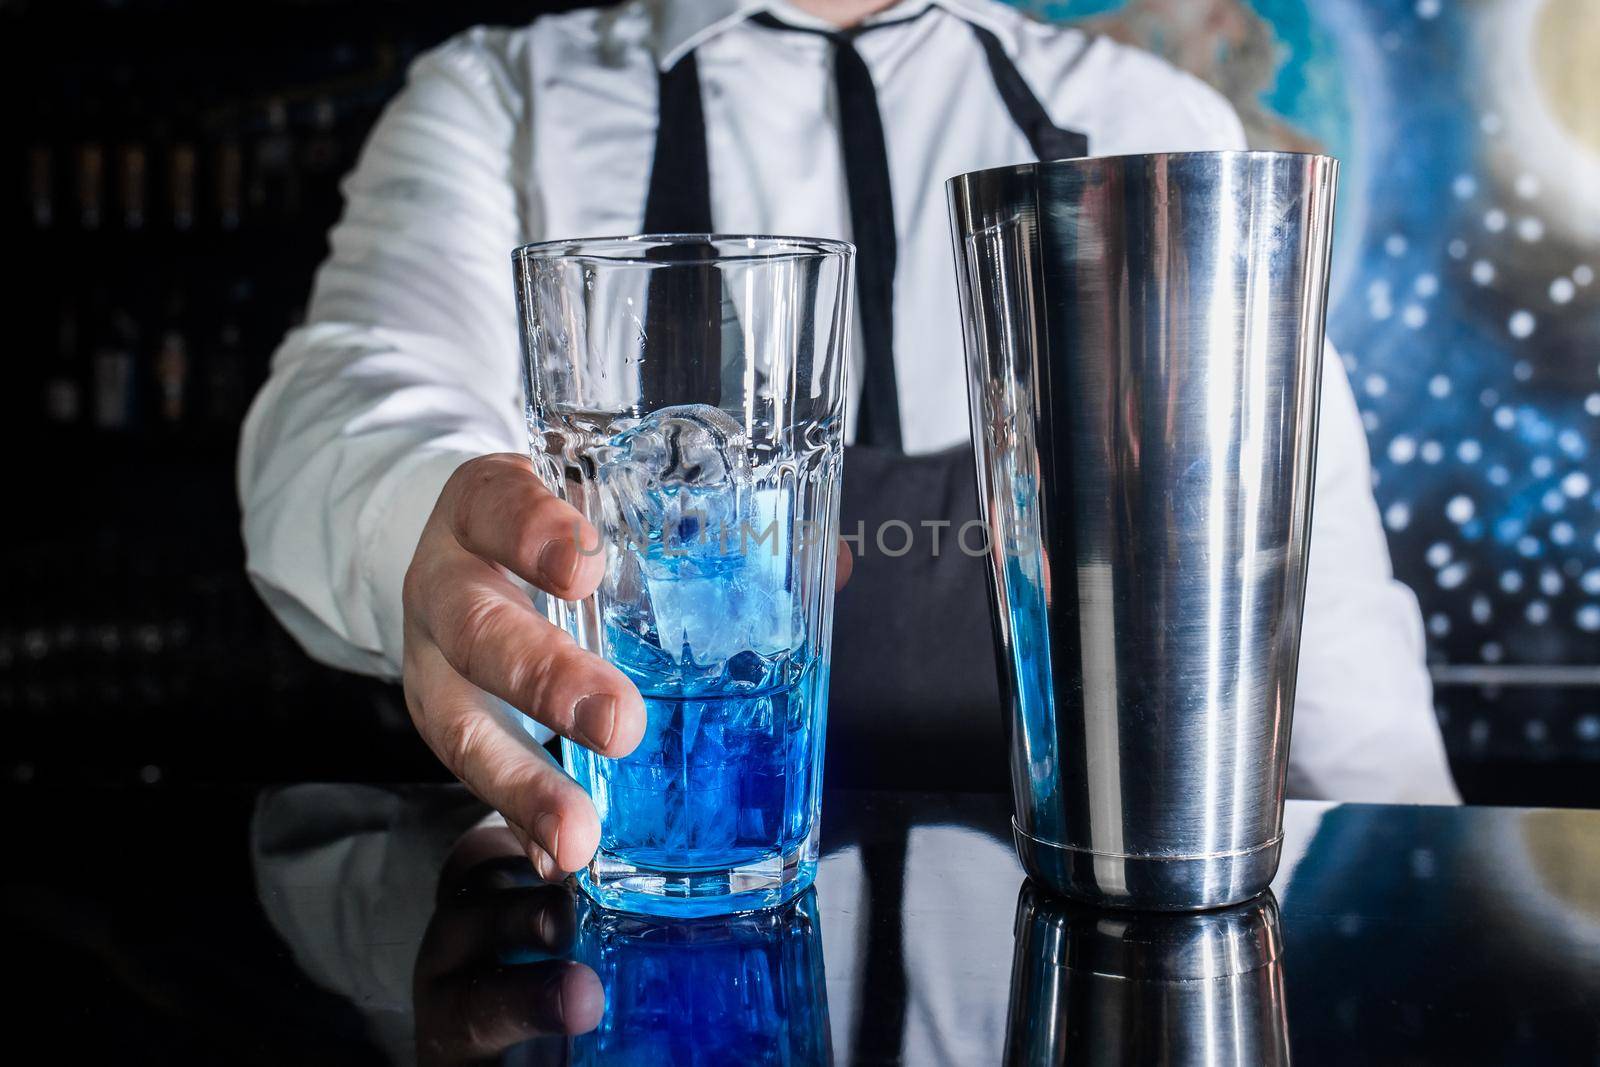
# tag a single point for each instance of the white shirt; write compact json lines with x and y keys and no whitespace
{"x":408,"y":364}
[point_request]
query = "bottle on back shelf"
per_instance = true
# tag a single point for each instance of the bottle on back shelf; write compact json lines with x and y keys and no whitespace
{"x":63,"y":389}
{"x":172,"y":363}
{"x":321,"y":166}
{"x":41,"y":186}
{"x":172,"y":375}
{"x":225,"y":376}
{"x":132,"y":184}
{"x":274,"y":181}
{"x":322,"y":154}
{"x":182,"y":171}
{"x":91,"y":182}
{"x":114,"y":386}
{"x":229,"y":183}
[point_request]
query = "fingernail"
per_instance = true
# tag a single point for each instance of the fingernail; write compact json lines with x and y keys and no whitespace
{"x":558,"y":562}
{"x":544,"y":927}
{"x":561,"y":996}
{"x":549,"y":830}
{"x":596,"y":719}
{"x":541,"y":864}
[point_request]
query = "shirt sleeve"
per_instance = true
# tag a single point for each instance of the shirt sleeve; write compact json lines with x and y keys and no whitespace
{"x":346,"y":874}
{"x":407,"y":365}
{"x":1364,"y":725}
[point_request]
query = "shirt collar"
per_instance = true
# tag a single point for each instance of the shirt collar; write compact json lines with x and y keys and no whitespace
{"x":683,"y":25}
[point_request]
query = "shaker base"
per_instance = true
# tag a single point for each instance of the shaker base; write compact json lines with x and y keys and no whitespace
{"x":1149,"y":883}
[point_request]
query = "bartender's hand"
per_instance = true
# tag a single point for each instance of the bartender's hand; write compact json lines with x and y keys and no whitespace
{"x":472,"y":634}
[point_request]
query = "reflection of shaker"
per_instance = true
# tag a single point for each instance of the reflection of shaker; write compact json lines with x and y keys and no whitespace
{"x":745,"y":988}
{"x":1118,"y":987}
{"x":1144,"y":339}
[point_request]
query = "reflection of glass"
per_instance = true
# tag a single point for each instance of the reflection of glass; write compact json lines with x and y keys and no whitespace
{"x":686,"y":394}
{"x":1114,"y":987}
{"x":1008,"y":469}
{"x":744,"y":989}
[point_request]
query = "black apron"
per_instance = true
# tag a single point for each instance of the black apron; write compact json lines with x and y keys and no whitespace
{"x":914,"y":700}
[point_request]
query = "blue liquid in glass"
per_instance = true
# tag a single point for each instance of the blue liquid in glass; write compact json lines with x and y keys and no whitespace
{"x":721,"y":778}
{"x":727,"y":772}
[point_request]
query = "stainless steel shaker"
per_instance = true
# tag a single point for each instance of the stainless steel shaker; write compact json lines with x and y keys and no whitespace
{"x":1144,"y":342}
{"x":1108,"y":988}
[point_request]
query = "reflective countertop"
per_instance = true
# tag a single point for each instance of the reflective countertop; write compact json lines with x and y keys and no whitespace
{"x":354,"y":924}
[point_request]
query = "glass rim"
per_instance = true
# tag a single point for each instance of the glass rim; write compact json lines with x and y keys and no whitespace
{"x":626,"y":250}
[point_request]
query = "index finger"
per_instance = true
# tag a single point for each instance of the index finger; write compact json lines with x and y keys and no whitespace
{"x":501,"y":512}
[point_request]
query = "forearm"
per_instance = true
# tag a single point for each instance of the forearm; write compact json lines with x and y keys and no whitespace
{"x":407,"y":366}
{"x":342,"y":458}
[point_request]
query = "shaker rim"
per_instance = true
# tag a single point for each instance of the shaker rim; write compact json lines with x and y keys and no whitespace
{"x":1076,"y":162}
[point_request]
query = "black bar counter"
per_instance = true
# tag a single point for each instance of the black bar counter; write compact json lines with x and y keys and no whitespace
{"x":359,"y":924}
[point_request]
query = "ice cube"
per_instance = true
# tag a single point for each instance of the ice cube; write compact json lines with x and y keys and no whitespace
{"x":712,"y":545}
{"x":711,"y":607}
{"x":676,"y":476}
{"x":711,"y":620}
{"x":691,"y":444}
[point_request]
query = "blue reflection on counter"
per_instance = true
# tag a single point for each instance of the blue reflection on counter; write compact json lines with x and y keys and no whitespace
{"x":744,"y":989}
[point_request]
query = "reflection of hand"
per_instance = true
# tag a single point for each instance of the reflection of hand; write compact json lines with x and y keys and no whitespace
{"x":488,"y":974}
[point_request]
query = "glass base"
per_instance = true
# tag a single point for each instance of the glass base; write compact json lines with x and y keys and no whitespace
{"x":614,"y":883}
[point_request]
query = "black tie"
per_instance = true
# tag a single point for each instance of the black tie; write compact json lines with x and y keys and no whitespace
{"x":866,"y":171}
{"x":679,"y":199}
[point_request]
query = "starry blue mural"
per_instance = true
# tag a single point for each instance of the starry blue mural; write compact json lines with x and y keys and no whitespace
{"x":1465,"y":302}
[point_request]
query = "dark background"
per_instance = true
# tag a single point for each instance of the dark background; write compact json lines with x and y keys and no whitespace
{"x":167,"y":192}
{"x":169,"y":174}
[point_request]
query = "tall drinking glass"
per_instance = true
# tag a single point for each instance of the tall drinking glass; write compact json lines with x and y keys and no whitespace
{"x":685,"y":393}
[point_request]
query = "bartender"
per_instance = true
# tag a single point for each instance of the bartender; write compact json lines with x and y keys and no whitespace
{"x":389,"y":506}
